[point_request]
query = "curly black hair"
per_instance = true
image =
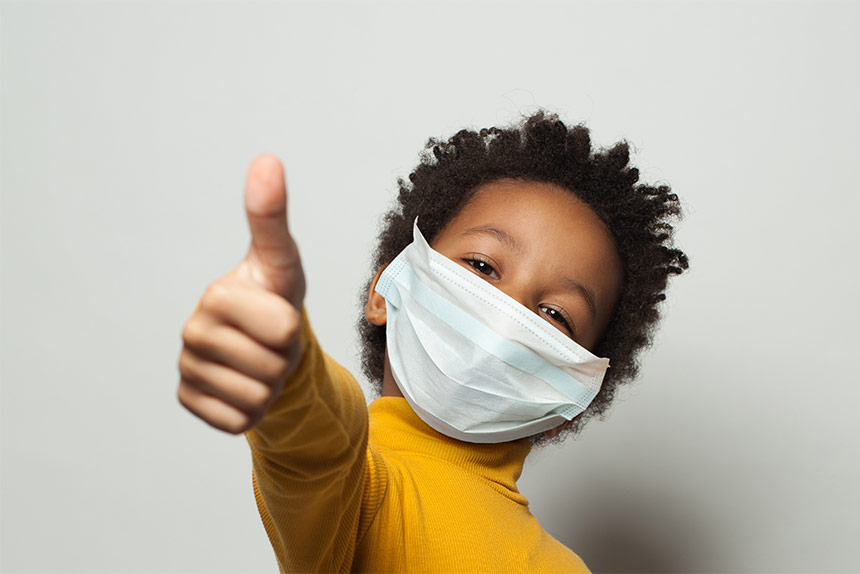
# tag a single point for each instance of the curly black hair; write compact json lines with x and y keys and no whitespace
{"x":543,"y":149}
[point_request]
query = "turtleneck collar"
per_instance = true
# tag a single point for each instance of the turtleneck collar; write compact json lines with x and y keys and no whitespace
{"x":395,"y":426}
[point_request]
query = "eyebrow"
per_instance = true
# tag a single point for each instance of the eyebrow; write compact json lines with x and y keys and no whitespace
{"x":499,"y":234}
{"x":510,"y":241}
{"x":586,"y":293}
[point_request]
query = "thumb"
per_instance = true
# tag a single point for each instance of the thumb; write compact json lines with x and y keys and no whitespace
{"x":273,"y":259}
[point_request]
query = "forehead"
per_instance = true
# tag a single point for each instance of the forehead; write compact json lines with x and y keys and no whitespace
{"x":530,"y":206}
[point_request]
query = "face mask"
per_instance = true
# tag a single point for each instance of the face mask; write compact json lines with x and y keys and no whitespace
{"x":474,"y":363}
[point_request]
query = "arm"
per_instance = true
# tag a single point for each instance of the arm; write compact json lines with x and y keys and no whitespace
{"x":250,"y":364}
{"x":309,"y":456}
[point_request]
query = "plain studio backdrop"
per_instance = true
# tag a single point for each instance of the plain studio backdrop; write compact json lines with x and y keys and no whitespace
{"x":126,"y":133}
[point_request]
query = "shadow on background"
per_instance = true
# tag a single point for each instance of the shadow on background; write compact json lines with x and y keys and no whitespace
{"x":626,"y":527}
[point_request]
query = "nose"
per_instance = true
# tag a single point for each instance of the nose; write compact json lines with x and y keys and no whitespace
{"x":518,"y":290}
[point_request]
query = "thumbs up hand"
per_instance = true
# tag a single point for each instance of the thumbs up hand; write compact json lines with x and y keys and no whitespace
{"x":241,"y":342}
{"x":273,"y":258}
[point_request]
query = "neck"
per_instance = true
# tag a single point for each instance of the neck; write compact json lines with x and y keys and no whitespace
{"x":395,"y":426}
{"x":389,"y":386}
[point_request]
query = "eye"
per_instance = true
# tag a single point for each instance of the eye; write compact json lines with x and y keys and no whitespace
{"x":558,"y":316}
{"x":482,"y":267}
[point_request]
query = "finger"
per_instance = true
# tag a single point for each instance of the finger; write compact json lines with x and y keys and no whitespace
{"x":230,"y":386}
{"x":266,"y":208}
{"x":262,"y":315}
{"x":227,"y":345}
{"x":212,"y":410}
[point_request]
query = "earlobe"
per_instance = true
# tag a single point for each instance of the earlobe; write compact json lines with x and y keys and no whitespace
{"x":374,"y":311}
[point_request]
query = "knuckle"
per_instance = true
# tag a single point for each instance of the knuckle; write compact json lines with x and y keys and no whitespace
{"x":191,"y":333}
{"x":279,"y":369}
{"x":188,"y":367}
{"x":200,"y":338}
{"x":288,"y":328}
{"x":183,"y":366}
{"x":257,"y":395}
{"x":216,"y":296}
{"x":237,"y":425}
{"x":185,"y":397}
{"x":269,"y":367}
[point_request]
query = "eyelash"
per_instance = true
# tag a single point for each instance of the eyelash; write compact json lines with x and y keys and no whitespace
{"x":475,"y":261}
{"x":560,"y":317}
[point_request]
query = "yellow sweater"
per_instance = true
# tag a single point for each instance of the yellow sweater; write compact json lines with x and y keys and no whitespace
{"x":343,"y":487}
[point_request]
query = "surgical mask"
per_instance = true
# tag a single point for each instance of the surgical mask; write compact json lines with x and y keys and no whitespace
{"x":474,"y":363}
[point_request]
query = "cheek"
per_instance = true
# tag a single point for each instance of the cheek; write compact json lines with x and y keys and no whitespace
{"x":589,"y":340}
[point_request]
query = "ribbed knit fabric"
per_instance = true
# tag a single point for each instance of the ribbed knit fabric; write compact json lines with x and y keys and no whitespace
{"x":342,"y":487}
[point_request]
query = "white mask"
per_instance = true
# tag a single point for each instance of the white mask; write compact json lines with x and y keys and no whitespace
{"x":474,"y":363}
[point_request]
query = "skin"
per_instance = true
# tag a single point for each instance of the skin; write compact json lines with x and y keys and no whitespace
{"x":241,"y":342}
{"x":540,"y":245}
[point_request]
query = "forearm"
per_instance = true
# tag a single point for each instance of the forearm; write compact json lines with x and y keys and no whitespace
{"x":309,"y":458}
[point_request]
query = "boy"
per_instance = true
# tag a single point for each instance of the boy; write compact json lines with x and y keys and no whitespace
{"x":515,"y":260}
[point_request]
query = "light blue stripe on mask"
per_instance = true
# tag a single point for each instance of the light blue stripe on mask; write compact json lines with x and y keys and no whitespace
{"x":485,"y":337}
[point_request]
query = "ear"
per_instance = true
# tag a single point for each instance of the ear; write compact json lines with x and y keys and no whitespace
{"x":374,"y":311}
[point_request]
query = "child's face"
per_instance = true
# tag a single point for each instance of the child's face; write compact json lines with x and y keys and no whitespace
{"x":545,"y":248}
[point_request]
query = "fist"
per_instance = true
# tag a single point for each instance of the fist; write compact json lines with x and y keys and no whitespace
{"x":241,"y":342}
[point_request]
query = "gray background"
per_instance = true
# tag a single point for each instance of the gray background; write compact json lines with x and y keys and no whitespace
{"x":126,"y":132}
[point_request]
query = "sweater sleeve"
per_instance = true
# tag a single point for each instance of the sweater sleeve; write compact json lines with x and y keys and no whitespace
{"x":311,"y":466}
